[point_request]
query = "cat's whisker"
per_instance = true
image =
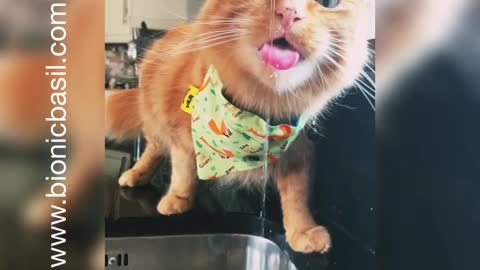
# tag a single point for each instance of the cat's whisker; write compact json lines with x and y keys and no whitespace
{"x":365,"y":75}
{"x":217,"y":17}
{"x":217,"y":32}
{"x":336,"y":53}
{"x":209,"y":46}
{"x":365,"y":95}
{"x":334,"y":39}
{"x":292,"y":92}
{"x":369,"y":67}
{"x":210,"y":36}
{"x":323,"y":80}
{"x":337,"y":46}
{"x":312,"y":89}
{"x":226,"y":30}
{"x":333,"y":62}
{"x":177,"y":15}
{"x":217,"y":24}
{"x":345,"y":106}
{"x":214,"y":32}
{"x":208,"y":40}
{"x":366,"y":85}
{"x":225,"y":24}
{"x":234,"y":11}
{"x":223,"y":19}
{"x":237,"y":23}
{"x":365,"y":90}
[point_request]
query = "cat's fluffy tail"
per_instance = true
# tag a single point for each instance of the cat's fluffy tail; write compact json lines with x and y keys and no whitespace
{"x":122,"y":116}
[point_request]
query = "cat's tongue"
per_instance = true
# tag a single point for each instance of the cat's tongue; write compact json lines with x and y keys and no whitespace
{"x":279,"y":58}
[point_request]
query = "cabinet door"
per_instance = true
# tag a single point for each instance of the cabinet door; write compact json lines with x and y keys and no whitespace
{"x":118,"y":27}
{"x":159,"y":14}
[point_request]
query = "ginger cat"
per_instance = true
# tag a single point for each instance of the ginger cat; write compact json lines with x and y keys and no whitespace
{"x":278,"y":59}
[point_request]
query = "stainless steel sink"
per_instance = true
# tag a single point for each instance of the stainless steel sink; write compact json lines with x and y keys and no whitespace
{"x":195,"y":252}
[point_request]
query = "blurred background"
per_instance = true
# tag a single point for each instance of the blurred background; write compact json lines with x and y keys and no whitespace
{"x":427,"y":133}
{"x":131,"y":26}
{"x":397,"y":193}
{"x":25,"y":157}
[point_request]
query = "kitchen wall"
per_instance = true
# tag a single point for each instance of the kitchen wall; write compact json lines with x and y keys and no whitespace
{"x":193,"y":6}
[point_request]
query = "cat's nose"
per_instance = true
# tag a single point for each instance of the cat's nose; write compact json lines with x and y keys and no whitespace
{"x":289,"y":16}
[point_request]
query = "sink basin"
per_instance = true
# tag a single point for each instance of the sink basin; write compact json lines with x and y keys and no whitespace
{"x":195,"y":252}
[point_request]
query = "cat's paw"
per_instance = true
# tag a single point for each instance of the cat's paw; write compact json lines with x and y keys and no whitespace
{"x":172,"y":204}
{"x":316,"y":239}
{"x":132,"y":178}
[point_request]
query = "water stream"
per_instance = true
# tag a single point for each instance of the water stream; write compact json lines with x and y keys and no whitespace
{"x":266,"y":177}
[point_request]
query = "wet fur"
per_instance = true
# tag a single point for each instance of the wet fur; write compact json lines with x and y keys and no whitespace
{"x":168,"y":70}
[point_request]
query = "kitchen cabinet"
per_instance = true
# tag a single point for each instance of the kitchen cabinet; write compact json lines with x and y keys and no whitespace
{"x":124,"y":15}
{"x":117,"y":21}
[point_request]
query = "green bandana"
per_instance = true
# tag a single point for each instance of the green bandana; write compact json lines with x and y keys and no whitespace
{"x":228,"y":139}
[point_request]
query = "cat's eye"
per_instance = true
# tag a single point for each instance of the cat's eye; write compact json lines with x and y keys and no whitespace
{"x":329,"y":3}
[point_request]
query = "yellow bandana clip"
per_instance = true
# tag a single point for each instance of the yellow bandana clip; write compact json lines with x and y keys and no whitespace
{"x":188,"y":102}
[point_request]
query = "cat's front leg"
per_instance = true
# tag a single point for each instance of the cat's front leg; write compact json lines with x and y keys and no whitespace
{"x":142,"y":171}
{"x":180,"y":195}
{"x":292,"y":178}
